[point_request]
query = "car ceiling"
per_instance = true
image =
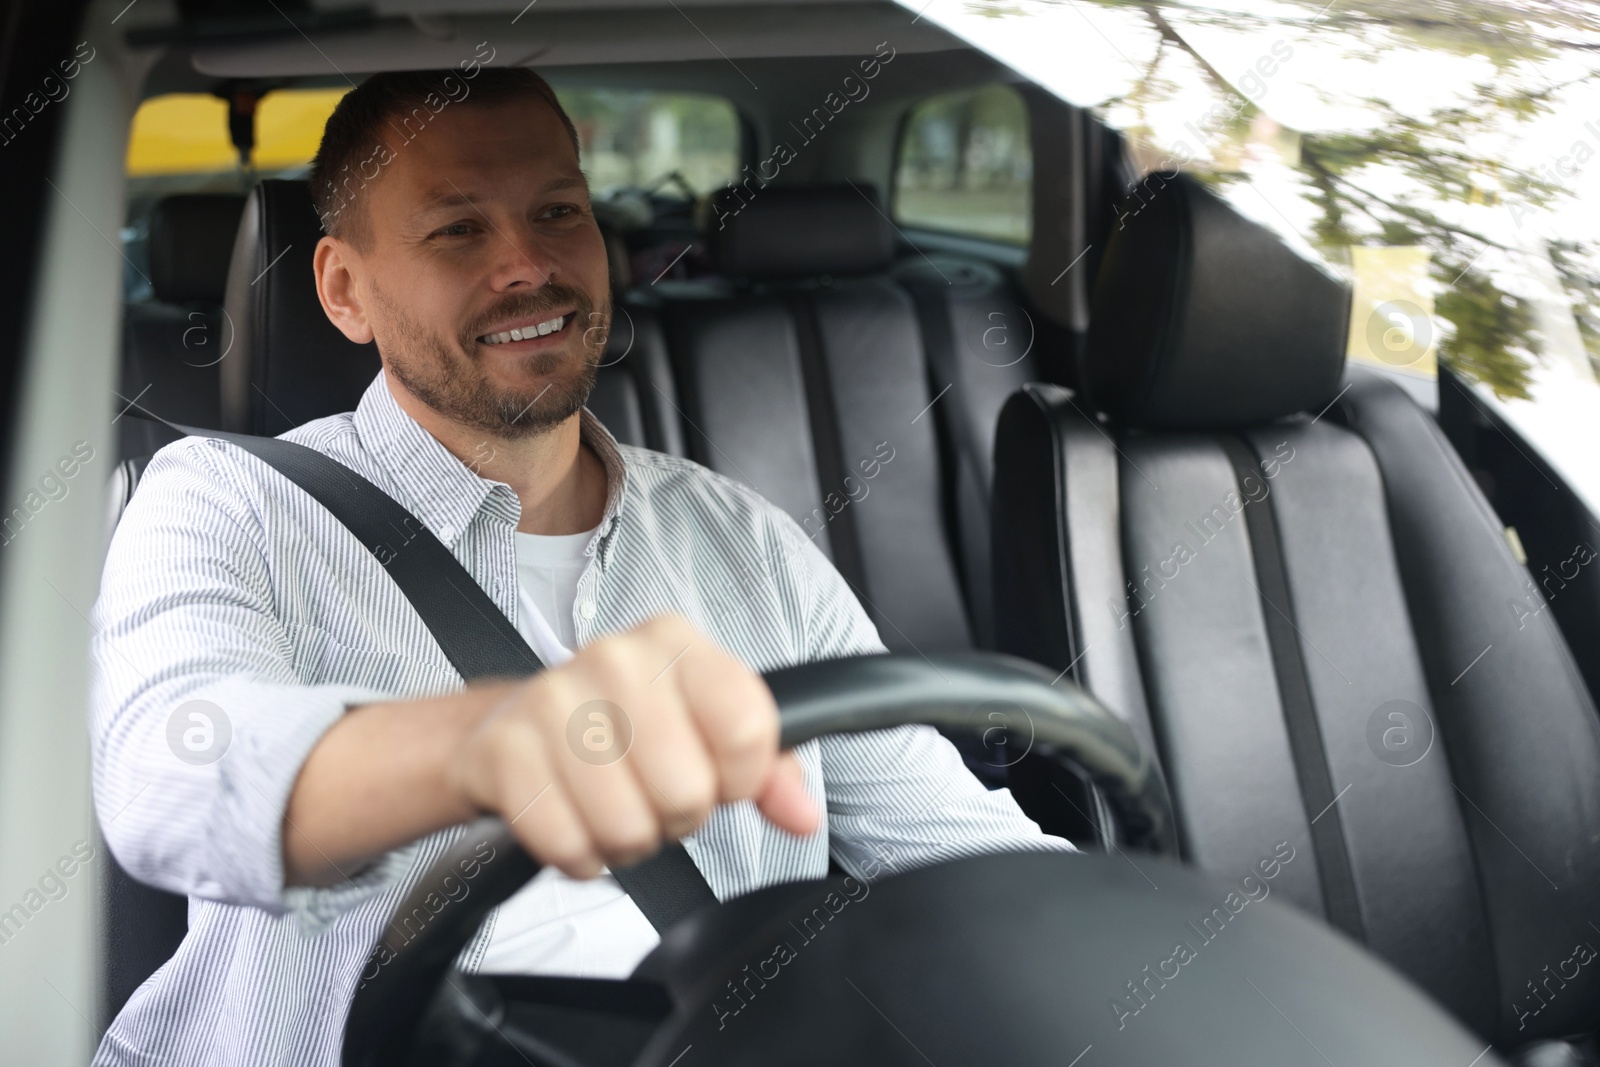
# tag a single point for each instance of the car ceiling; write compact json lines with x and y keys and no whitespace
{"x":547,"y":34}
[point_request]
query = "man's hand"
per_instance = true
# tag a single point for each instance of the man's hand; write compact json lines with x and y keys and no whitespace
{"x":630,"y":744}
{"x":596,"y":762}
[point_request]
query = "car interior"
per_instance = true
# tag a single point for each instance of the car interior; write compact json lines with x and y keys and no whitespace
{"x":1127,"y":446}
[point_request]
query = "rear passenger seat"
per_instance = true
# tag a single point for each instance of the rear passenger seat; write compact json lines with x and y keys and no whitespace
{"x":858,"y":394}
{"x":981,"y":345}
{"x":807,"y":372}
{"x":172,"y":346}
{"x":824,"y":383}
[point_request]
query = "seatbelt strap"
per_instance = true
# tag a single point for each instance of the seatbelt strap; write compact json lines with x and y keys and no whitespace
{"x":477,"y":638}
{"x":474,"y":633}
{"x":969,"y":498}
{"x":1299,"y":710}
{"x":844,"y":541}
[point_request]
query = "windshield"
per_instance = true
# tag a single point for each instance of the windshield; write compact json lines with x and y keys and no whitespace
{"x":1439,"y":156}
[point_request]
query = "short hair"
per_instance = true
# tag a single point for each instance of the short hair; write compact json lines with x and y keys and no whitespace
{"x":355,"y":132}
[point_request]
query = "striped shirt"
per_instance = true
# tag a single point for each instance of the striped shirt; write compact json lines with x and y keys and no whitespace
{"x":238,"y":620}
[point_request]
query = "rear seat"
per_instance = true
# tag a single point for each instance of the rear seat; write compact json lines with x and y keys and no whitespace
{"x":815,"y":377}
{"x":858,"y":394}
{"x":981,"y":346}
{"x":172,"y":346}
{"x":811,"y":381}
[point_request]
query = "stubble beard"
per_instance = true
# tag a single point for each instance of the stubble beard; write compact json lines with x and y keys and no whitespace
{"x":447,"y":374}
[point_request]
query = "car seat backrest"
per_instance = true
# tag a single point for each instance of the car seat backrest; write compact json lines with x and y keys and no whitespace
{"x":799,"y":231}
{"x":173,"y":344}
{"x":981,"y":345}
{"x":290,"y":364}
{"x":1276,"y":568}
{"x":810,"y":384}
{"x":191,"y":240}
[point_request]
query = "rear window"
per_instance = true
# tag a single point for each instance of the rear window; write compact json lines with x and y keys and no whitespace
{"x":187,"y":133}
{"x":965,"y":166}
{"x":682,"y":145}
{"x":677,"y":144}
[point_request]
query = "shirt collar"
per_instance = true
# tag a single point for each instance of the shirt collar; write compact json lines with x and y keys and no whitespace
{"x":593,"y":433}
{"x":444,"y":492}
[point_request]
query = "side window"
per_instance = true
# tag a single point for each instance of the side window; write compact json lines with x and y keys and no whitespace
{"x":965,"y":166}
{"x":680,"y":145}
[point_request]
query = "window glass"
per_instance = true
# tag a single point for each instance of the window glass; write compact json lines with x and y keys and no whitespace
{"x":187,"y":133}
{"x":1445,"y":162}
{"x":682,"y":145}
{"x":965,"y":166}
{"x":667,"y":142}
{"x":649,"y":154}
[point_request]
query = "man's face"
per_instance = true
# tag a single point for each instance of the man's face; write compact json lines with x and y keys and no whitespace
{"x":479,"y":226}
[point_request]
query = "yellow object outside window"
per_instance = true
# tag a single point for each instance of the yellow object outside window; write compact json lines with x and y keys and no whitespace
{"x":187,"y":133}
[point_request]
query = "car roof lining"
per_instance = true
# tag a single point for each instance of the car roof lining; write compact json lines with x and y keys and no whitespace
{"x":556,"y":36}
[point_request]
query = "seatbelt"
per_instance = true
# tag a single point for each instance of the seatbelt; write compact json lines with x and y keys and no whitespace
{"x":844,"y":541}
{"x":1299,"y":710}
{"x":968,"y":498}
{"x":477,"y":638}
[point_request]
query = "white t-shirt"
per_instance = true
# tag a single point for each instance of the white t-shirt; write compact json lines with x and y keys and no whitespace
{"x":556,"y":924}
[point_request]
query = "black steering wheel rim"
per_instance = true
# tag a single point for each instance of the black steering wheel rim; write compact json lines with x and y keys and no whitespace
{"x":1058,"y":720}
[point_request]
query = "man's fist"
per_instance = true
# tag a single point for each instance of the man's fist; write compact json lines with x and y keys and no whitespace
{"x":631,"y":743}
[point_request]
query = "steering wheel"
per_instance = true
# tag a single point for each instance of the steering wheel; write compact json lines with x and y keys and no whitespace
{"x":1032,"y":957}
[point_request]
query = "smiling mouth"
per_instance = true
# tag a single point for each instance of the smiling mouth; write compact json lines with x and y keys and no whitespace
{"x":528,"y":333}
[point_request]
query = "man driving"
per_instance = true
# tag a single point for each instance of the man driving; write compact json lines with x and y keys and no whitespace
{"x":344,"y":748}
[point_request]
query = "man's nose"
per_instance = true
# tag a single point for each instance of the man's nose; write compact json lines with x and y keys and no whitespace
{"x":521,"y":259}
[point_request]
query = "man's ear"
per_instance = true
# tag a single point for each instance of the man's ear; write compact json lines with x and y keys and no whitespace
{"x":336,"y":288}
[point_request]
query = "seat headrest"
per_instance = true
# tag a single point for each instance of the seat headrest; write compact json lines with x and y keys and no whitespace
{"x":191,"y":238}
{"x":1202,"y":318}
{"x":781,"y":232}
{"x":288,"y":363}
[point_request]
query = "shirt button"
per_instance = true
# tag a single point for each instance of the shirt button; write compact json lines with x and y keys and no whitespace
{"x":586,"y":609}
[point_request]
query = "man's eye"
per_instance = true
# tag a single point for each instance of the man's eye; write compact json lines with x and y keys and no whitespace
{"x":563,"y":211}
{"x":455,"y":229}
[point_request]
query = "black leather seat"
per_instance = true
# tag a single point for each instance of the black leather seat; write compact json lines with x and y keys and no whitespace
{"x":1277,"y":570}
{"x":173,"y":345}
{"x":824,"y":383}
{"x":291,"y":365}
{"x":981,"y":345}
